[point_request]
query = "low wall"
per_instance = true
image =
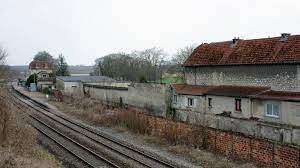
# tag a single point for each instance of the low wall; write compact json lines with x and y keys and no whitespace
{"x":272,"y":131}
{"x":147,"y":97}
{"x":238,"y":146}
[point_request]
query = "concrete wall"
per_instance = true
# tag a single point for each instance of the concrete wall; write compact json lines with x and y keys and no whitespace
{"x":278,"y":77}
{"x":149,"y":97}
{"x":152,"y":97}
{"x":70,"y":88}
{"x":108,"y":95}
{"x":114,"y":84}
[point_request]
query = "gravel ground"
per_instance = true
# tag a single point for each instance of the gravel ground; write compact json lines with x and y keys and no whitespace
{"x":68,"y":161}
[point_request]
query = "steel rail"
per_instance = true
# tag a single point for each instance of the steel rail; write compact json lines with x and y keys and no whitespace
{"x":69,"y":139}
{"x":46,"y":108}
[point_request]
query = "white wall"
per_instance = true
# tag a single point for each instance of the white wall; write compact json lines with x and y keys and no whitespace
{"x":73,"y":88}
{"x":222,"y":103}
{"x":293,"y":113}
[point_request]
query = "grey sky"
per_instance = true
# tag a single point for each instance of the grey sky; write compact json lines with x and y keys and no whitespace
{"x":84,"y":30}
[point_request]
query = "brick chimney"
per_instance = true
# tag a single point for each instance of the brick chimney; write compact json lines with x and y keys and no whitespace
{"x":284,"y":36}
{"x":234,"y":41}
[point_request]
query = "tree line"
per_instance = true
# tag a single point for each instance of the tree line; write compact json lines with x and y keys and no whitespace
{"x":141,"y":66}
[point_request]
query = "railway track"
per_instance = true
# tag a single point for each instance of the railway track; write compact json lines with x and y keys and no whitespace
{"x":138,"y":157}
{"x":79,"y":151}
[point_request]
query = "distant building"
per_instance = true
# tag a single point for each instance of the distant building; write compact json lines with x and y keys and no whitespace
{"x":74,"y":84}
{"x":43,"y":70}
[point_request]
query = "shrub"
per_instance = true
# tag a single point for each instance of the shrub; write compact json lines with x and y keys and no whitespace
{"x":31,"y":79}
{"x":143,"y":79}
{"x":46,"y":91}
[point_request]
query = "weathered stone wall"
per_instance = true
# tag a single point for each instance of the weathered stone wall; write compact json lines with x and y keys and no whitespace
{"x":278,"y":77}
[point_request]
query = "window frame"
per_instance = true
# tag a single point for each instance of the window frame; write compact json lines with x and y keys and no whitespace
{"x":272,"y":105}
{"x":175,"y":98}
{"x":192,"y":101}
{"x":210,"y":102}
{"x":238,"y":106}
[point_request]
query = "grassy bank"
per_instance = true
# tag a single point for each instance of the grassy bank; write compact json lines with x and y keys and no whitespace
{"x":18,"y":140}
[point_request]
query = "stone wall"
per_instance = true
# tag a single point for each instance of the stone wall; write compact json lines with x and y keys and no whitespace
{"x":278,"y":77}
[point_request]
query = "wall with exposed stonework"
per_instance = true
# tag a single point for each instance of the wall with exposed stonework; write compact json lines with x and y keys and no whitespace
{"x":278,"y":77}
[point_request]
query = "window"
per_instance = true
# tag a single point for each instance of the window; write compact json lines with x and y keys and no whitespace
{"x":238,"y":103}
{"x":190,"y":102}
{"x":44,"y":76}
{"x":209,"y":102}
{"x":175,"y":99}
{"x":272,"y":110}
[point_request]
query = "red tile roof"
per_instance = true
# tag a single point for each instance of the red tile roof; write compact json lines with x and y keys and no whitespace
{"x":278,"y":95}
{"x":255,"y":51}
{"x":236,"y":91}
{"x":191,"y":89}
{"x":223,"y":90}
{"x":39,"y":65}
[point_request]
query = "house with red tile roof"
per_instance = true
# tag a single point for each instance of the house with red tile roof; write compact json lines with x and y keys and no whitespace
{"x":42,"y":69}
{"x":270,"y":62}
{"x":246,"y":79}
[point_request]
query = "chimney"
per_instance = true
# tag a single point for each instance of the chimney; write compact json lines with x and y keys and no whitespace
{"x":235,"y":41}
{"x":284,"y":36}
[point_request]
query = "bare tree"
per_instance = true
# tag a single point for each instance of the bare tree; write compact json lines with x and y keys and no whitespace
{"x":153,"y":55}
{"x":182,"y":54}
{"x":3,"y":68}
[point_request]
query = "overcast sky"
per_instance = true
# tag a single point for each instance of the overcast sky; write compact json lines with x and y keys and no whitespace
{"x":83,"y":30}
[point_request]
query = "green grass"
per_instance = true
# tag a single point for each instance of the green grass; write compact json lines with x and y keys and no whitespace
{"x":172,"y":79}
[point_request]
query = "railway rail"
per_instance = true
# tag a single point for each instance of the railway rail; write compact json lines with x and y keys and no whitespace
{"x":124,"y":150}
{"x":84,"y":154}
